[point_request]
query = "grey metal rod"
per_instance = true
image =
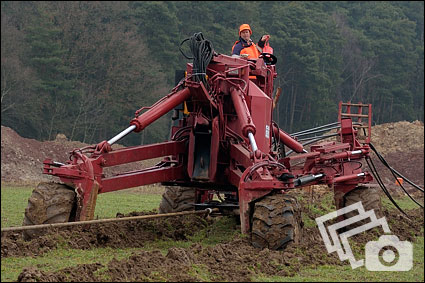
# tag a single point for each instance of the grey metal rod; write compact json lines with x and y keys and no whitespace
{"x":109,"y":220}
{"x":320,"y":127}
{"x":321,"y":137}
{"x":121,"y":135}
{"x":317,"y":131}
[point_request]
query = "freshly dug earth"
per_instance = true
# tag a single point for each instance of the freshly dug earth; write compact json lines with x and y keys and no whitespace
{"x":22,"y":158}
{"x":402,"y":146}
{"x":232,"y":260}
{"x":115,"y":235}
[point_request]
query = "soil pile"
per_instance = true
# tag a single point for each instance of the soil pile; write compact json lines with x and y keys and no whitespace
{"x":22,"y":158}
{"x":398,"y":137}
{"x":132,"y":234}
{"x":402,"y":146}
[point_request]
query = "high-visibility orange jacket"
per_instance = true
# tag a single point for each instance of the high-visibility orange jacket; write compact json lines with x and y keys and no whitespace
{"x":242,"y":47}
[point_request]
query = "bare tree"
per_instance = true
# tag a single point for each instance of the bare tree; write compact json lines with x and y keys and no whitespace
{"x":358,"y":69}
{"x":16,"y":78}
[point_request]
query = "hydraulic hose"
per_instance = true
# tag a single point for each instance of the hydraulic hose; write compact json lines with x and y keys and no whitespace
{"x":381,"y":184}
{"x":202,"y":53}
{"x":287,"y":140}
{"x":381,"y":158}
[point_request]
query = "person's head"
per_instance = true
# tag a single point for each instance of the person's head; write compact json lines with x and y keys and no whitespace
{"x":245,"y":32}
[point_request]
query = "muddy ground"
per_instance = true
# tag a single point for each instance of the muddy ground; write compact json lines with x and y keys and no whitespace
{"x":232,"y":260}
{"x":235,"y":259}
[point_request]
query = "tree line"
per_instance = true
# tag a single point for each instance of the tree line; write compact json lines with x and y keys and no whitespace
{"x":83,"y":68}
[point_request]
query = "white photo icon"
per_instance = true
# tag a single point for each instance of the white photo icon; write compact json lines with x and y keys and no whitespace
{"x":378,"y":258}
{"x":399,"y":258}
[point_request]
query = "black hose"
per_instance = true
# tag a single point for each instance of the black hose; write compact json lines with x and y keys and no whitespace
{"x":202,"y":53}
{"x":381,"y":158}
{"x":316,"y":131}
{"x":381,"y":184}
{"x":316,"y":137}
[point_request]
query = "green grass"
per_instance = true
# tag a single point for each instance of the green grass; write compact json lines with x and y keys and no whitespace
{"x":201,"y":272}
{"x":110,"y":203}
{"x":14,"y":200}
{"x":404,"y":202}
{"x":13,"y":203}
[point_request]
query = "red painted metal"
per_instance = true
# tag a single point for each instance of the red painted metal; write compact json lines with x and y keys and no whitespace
{"x":135,"y":179}
{"x":261,"y":105}
{"x":137,"y":153}
{"x":154,"y":113}
{"x":236,"y":102}
{"x":287,"y":140}
{"x":243,"y":113}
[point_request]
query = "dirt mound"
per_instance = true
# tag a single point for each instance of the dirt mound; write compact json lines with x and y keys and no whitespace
{"x":235,"y":261}
{"x":22,"y":158}
{"x":398,"y":137}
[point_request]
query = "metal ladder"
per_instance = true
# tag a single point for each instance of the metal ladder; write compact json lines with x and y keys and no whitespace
{"x":350,"y":112}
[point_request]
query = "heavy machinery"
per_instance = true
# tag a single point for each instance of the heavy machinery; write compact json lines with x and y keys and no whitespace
{"x":225,"y":151}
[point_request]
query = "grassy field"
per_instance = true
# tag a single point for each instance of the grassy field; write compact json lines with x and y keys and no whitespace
{"x":14,"y":200}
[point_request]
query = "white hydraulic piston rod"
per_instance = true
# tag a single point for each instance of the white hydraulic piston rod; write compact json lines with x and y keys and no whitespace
{"x":252,"y":141}
{"x":122,"y":134}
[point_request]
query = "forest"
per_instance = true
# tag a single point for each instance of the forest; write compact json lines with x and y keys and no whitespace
{"x":83,"y":68}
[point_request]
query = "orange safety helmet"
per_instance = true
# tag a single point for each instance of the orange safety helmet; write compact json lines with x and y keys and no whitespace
{"x":244,"y":27}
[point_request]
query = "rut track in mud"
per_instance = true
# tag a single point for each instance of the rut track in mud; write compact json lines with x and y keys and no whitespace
{"x":129,"y":234}
{"x":232,"y":260}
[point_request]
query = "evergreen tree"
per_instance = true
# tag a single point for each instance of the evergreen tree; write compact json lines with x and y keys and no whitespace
{"x":54,"y":82}
{"x":85,"y":67}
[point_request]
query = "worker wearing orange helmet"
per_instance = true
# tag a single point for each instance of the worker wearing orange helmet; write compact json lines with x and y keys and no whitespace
{"x":245,"y":46}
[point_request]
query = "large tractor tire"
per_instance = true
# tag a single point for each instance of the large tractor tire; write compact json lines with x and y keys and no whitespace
{"x":49,"y":203}
{"x":370,"y":198}
{"x":176,"y":199}
{"x":276,"y":222}
{"x":368,"y":195}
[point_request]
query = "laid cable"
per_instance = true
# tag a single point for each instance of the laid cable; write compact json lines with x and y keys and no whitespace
{"x":381,"y":184}
{"x":385,"y":163}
